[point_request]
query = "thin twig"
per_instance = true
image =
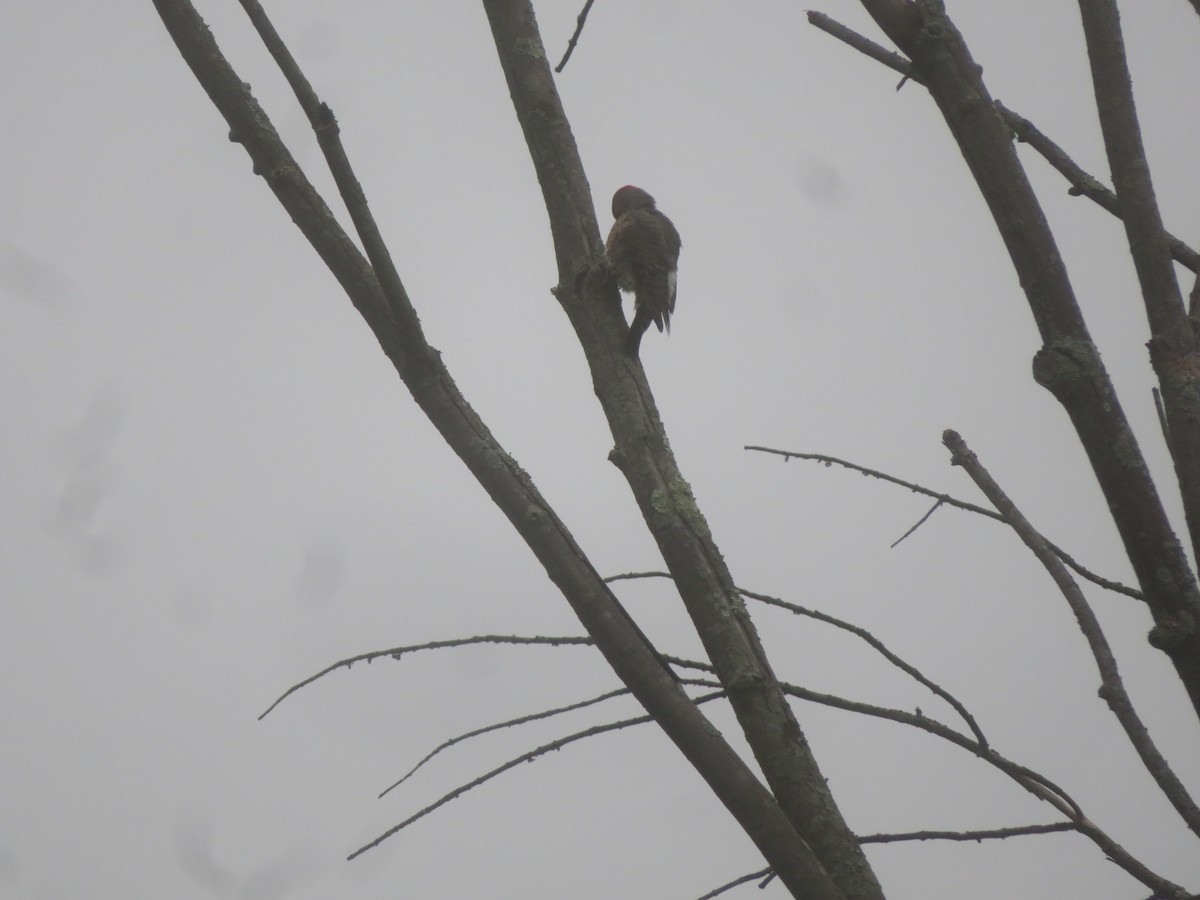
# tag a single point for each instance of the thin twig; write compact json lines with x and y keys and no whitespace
{"x":951,"y":501}
{"x":1112,"y":689}
{"x":1082,"y":184}
{"x":507,"y":723}
{"x":737,"y":882}
{"x":990,"y":834}
{"x":512,"y":764}
{"x":921,"y":521}
{"x":629,"y":576}
{"x":579,"y":23}
{"x":397,"y":652}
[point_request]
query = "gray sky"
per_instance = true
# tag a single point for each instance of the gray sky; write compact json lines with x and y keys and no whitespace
{"x":214,"y":484}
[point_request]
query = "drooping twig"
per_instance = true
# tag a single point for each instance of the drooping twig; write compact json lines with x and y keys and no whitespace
{"x":1082,"y":184}
{"x":397,"y":652}
{"x":579,"y":23}
{"x":950,"y":501}
{"x":496,"y":726}
{"x":921,"y":521}
{"x":1112,"y":689}
{"x":978,"y":836}
{"x":512,"y":764}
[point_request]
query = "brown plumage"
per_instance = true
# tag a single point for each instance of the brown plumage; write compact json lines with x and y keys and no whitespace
{"x":643,"y":252}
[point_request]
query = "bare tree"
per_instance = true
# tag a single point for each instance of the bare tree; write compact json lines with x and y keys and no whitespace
{"x":792,"y":818}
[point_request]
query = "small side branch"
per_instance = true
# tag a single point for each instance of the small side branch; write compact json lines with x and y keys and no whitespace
{"x":528,"y":756}
{"x":977,"y":836}
{"x":579,"y":23}
{"x":1082,"y":183}
{"x":496,"y":726}
{"x":744,"y":879}
{"x":397,"y":652}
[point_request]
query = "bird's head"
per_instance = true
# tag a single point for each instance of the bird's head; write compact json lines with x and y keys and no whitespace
{"x":630,"y":197}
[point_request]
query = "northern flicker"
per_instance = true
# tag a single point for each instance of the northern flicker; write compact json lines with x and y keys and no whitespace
{"x":642,"y":251}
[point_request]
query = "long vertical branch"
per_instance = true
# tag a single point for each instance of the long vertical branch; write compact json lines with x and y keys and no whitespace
{"x":1068,"y":364}
{"x":1174,"y":349}
{"x":642,"y":453}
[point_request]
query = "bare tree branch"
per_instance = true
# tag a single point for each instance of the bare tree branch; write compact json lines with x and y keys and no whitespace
{"x":921,"y":521}
{"x":951,"y":501}
{"x":865,"y":45}
{"x":1112,"y":688}
{"x":496,"y":726}
{"x":879,"y":647}
{"x":1084,"y":184}
{"x":528,"y":756}
{"x":744,"y":879}
{"x":1174,"y":345}
{"x":977,"y":836}
{"x":580,"y":21}
{"x":397,"y":652}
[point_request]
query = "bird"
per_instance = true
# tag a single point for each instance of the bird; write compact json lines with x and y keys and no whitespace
{"x":642,"y":252}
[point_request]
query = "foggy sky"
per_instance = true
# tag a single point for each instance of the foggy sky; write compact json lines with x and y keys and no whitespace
{"x":214,"y":485}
